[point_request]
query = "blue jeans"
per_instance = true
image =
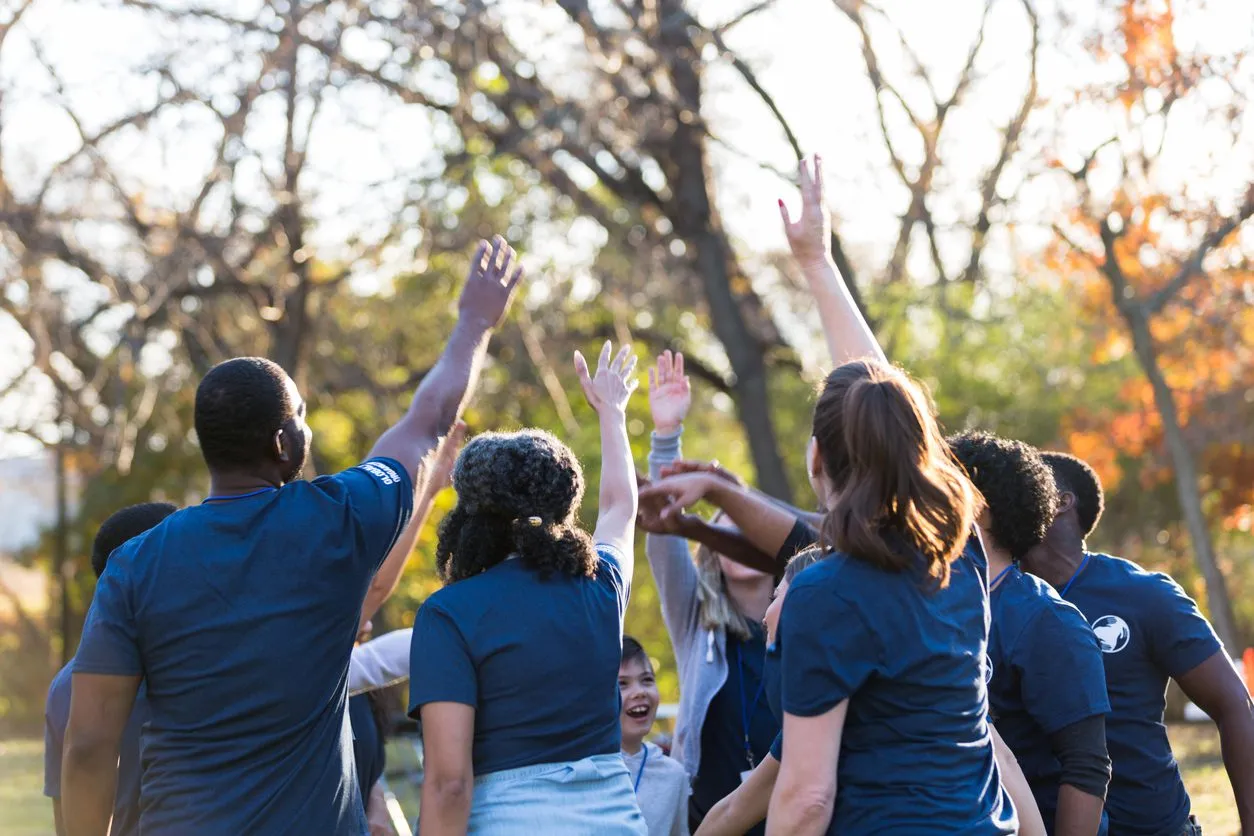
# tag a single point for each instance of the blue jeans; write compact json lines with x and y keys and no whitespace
{"x":589,"y":796}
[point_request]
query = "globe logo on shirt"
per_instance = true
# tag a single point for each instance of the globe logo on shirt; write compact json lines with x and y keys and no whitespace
{"x":988,"y":669}
{"x":1112,"y":633}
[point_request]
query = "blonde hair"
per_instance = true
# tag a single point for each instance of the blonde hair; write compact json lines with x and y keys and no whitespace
{"x":715,"y":606}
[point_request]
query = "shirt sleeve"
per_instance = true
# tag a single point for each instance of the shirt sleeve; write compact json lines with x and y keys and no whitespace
{"x":802,"y":536}
{"x":110,"y":642}
{"x":380,"y":497}
{"x":1180,"y":636}
{"x":828,"y":651}
{"x":777,"y":747}
{"x":380,"y":662}
{"x":1059,"y":661}
{"x":609,"y":569}
{"x":54,"y":738}
{"x":441,"y":667}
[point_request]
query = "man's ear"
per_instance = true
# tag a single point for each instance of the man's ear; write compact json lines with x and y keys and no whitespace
{"x":280,"y":447}
{"x":1066,"y":502}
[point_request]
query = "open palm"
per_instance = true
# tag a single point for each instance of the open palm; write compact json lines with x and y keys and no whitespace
{"x":670,"y":393}
{"x":810,"y":236}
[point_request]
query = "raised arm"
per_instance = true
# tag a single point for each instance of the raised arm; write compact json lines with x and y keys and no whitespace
{"x":810,"y":518}
{"x":670,"y":397}
{"x":389,"y":574}
{"x":442,"y":395}
{"x":608,"y":393}
{"x":765,"y":524}
{"x":848,"y":335}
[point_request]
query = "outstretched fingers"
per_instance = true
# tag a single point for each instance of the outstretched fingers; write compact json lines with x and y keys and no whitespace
{"x":585,"y":378}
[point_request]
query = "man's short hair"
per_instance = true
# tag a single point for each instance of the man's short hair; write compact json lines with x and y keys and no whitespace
{"x":1077,"y":478}
{"x":240,"y":405}
{"x":123,"y":525}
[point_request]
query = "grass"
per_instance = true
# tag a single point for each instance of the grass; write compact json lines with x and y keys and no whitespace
{"x":25,"y":812}
{"x":23,"y":809}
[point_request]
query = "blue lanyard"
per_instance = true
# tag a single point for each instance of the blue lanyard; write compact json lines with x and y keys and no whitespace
{"x":747,"y":711}
{"x":1078,"y":570}
{"x":257,"y":492}
{"x":1000,"y":575}
{"x":643,"y":761}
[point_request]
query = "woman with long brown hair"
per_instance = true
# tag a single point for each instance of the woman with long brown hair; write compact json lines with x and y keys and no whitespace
{"x":883,"y":644}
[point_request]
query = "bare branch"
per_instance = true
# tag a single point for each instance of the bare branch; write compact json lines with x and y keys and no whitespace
{"x":1193,"y":265}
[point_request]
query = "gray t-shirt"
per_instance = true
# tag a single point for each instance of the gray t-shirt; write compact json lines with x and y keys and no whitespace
{"x":661,"y":791}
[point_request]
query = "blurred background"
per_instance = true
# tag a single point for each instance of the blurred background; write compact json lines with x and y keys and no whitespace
{"x":1041,"y":206}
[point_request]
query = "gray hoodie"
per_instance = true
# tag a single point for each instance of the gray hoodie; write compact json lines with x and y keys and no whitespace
{"x":662,"y":791}
{"x":700,"y":654}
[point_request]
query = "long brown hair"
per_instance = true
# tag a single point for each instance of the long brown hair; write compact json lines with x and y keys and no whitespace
{"x":899,"y":494}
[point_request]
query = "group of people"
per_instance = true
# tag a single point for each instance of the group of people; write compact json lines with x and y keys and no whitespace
{"x":932,"y":651}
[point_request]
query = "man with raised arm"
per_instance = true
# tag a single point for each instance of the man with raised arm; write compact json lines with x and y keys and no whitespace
{"x":240,"y":613}
{"x":1150,"y":631}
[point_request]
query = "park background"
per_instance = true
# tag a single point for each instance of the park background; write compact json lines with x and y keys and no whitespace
{"x":1040,"y":205}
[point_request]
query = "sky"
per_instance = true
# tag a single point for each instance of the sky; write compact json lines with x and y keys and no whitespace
{"x":806,"y":54}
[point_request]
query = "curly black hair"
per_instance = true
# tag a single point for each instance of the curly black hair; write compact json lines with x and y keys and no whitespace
{"x":1076,"y":477}
{"x":240,"y":405}
{"x":123,"y":525}
{"x":517,"y":493}
{"x":1016,"y":485}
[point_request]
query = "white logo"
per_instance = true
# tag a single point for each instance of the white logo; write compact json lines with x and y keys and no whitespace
{"x":382,"y":472}
{"x":988,"y":670}
{"x":1112,"y":632}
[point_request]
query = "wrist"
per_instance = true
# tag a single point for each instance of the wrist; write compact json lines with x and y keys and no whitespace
{"x":670,"y":428}
{"x":474,"y":323}
{"x":816,"y":264}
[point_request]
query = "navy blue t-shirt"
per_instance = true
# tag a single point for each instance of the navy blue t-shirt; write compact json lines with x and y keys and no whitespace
{"x":241,"y":615}
{"x":1046,"y":674}
{"x":772,"y":676}
{"x":536,"y":657}
{"x":1149,"y":631}
{"x":723,"y":758}
{"x":916,"y":754}
{"x":369,"y":754}
{"x":57,"y":717}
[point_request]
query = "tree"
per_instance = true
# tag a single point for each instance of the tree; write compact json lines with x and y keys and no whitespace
{"x":1167,"y":256}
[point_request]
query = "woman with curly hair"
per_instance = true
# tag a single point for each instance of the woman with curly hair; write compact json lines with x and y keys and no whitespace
{"x":530,"y":602}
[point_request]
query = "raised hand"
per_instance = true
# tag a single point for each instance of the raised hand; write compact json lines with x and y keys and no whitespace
{"x":611,"y":388}
{"x":446,"y":457}
{"x":670,"y":393}
{"x":810,"y":237}
{"x":649,"y":512}
{"x":678,"y":492}
{"x":712,"y":467}
{"x":490,"y":283}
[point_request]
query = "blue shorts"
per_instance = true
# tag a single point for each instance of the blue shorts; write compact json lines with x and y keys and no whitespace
{"x":575,"y":798}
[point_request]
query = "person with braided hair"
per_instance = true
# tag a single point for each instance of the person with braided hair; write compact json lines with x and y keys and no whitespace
{"x":530,"y":601}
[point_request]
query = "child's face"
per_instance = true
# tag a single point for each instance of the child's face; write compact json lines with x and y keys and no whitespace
{"x":638,"y":688}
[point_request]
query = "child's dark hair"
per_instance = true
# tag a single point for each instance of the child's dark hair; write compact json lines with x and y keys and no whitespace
{"x":126,"y":524}
{"x":517,"y":493}
{"x":633,"y":650}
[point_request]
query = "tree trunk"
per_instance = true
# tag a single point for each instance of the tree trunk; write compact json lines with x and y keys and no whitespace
{"x":1187,"y":491}
{"x":61,"y":546}
{"x":697,"y":223}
